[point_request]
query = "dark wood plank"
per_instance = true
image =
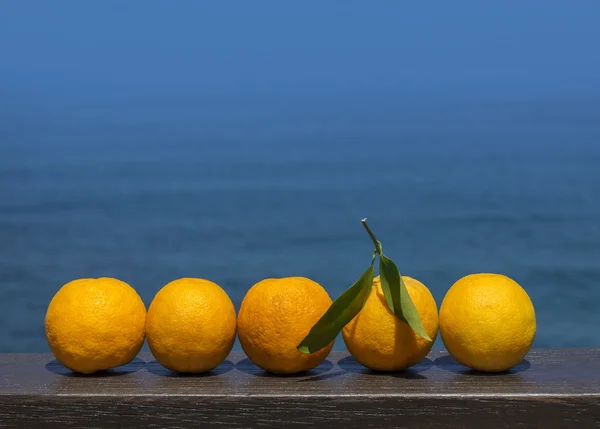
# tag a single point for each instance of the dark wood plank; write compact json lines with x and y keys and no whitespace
{"x":550,"y":389}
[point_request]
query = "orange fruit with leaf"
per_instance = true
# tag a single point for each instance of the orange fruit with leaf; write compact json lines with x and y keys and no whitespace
{"x":388,"y":323}
{"x":379,"y":340}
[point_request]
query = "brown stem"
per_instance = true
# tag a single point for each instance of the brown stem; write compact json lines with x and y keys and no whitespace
{"x":375,"y":242}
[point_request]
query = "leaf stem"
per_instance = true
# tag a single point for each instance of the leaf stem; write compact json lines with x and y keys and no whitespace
{"x":375,"y":242}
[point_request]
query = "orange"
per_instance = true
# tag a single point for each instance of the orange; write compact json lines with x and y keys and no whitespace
{"x":191,"y":325}
{"x":377,"y":339}
{"x":275,"y":316}
{"x":487,"y":322}
{"x":95,"y":324}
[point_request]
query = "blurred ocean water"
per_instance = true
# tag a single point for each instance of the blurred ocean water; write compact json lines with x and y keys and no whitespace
{"x":235,"y":192}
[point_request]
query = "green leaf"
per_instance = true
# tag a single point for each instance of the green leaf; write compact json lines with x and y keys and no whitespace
{"x":399,"y":300}
{"x":339,"y":314}
{"x":385,"y":285}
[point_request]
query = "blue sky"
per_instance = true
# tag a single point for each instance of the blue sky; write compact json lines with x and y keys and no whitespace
{"x":91,"y":49}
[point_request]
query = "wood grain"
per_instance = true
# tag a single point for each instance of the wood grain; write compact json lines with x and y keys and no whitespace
{"x":554,"y":388}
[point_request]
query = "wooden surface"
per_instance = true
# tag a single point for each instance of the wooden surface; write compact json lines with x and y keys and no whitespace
{"x":551,"y":389}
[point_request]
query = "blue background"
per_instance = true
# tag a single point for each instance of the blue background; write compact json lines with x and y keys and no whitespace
{"x":241,"y":140}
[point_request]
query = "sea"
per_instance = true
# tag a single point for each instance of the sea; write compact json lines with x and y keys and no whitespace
{"x":236,"y":190}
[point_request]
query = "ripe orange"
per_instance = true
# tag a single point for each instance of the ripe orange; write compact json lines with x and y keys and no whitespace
{"x":275,"y":315}
{"x":377,"y":339}
{"x":487,"y":322}
{"x":191,"y":325}
{"x":95,"y":324}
